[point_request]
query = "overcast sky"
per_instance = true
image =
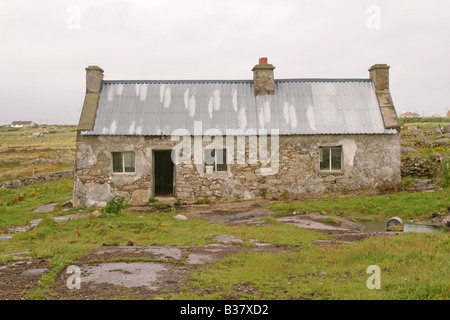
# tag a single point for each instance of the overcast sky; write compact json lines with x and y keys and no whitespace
{"x":45,"y":46}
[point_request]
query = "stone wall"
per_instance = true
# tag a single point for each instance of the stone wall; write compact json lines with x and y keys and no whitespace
{"x":47,"y":176}
{"x":369,"y":161}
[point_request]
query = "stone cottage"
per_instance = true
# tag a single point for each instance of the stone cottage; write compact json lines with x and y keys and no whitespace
{"x":234,"y":139}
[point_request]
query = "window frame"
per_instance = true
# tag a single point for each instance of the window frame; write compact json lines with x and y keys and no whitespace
{"x":330,"y":169}
{"x":123,"y":162}
{"x":215,"y":165}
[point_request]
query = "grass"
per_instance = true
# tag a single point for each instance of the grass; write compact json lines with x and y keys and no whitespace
{"x":403,"y":204}
{"x":21,"y":155}
{"x":17,"y":205}
{"x":63,"y":243}
{"x":338,"y":273}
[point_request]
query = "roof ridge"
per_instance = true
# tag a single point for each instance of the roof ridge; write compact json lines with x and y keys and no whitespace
{"x":240,"y":80}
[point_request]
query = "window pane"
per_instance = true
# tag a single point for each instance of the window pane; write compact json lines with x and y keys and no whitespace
{"x":128,"y":158}
{"x":221,"y":159}
{"x":117,"y":162}
{"x":324,"y":159}
{"x":209,"y":156}
{"x":336,"y":159}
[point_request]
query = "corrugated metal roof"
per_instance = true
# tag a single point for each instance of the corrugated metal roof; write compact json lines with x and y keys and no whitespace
{"x":299,"y":106}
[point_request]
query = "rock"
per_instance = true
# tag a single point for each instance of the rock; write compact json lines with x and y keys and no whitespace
{"x":436,"y":214}
{"x":248,"y":195}
{"x":46,"y":208}
{"x":16,"y":254}
{"x":446,"y":128}
{"x":95,"y":214}
{"x":67,"y":203}
{"x":408,"y":150}
{"x":180,"y":217}
{"x":34,"y":272}
{"x":446,"y":221}
{"x":36,"y":135}
{"x":227,"y":239}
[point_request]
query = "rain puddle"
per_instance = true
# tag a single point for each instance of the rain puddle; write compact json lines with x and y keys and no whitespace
{"x":371,"y":225}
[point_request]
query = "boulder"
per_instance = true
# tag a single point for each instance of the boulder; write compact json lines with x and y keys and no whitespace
{"x":446,"y":128}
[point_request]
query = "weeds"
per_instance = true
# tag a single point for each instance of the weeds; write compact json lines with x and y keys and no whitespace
{"x":161,"y":206}
{"x":115,"y":205}
{"x":445,"y":164}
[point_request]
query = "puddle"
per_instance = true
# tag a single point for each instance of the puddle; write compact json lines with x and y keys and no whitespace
{"x":380,"y":226}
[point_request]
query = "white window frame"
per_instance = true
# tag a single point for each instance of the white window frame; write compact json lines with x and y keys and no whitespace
{"x":123,"y":163}
{"x":329,"y":168}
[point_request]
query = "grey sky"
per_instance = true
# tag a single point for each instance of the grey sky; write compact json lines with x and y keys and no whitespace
{"x":45,"y":46}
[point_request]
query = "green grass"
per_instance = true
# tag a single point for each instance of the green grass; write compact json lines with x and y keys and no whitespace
{"x":338,"y":273}
{"x":405,"y":205}
{"x":17,"y":205}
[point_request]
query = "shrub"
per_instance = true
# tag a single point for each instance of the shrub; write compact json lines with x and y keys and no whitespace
{"x":115,"y":205}
{"x":152,"y":200}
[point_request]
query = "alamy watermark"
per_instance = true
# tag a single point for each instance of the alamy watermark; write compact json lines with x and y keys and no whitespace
{"x":74,"y":17}
{"x":74,"y":281}
{"x":374,"y":18}
{"x":374,"y":281}
{"x":235,"y":146}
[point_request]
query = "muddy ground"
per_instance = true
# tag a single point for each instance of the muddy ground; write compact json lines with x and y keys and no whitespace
{"x":140,"y":272}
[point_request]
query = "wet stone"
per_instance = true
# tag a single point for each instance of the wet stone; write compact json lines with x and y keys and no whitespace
{"x":46,"y":208}
{"x":227,"y":239}
{"x":35,"y":272}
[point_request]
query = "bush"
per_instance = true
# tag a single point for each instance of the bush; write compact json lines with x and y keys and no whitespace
{"x":115,"y":205}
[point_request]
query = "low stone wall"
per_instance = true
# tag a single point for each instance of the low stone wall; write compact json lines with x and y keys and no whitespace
{"x":47,"y":176}
{"x":420,"y":167}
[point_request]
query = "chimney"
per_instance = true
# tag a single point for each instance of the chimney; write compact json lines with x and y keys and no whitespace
{"x":379,"y":73}
{"x":94,"y":77}
{"x":263,"y":79}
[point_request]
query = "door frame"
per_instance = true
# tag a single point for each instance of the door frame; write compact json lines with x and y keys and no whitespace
{"x":154,"y":172}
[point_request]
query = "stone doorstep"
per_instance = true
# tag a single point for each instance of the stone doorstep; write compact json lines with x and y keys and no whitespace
{"x":166,"y":200}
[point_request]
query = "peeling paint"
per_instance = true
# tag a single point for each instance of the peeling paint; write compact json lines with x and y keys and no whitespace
{"x":311,"y":117}
{"x":234,"y":99}
{"x":216,"y":99}
{"x":242,"y":119}
{"x":349,"y":150}
{"x":191,"y":109}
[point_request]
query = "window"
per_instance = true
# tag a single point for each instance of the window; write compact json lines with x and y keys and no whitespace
{"x":123,"y":162}
{"x":330,"y":159}
{"x":215,"y":160}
